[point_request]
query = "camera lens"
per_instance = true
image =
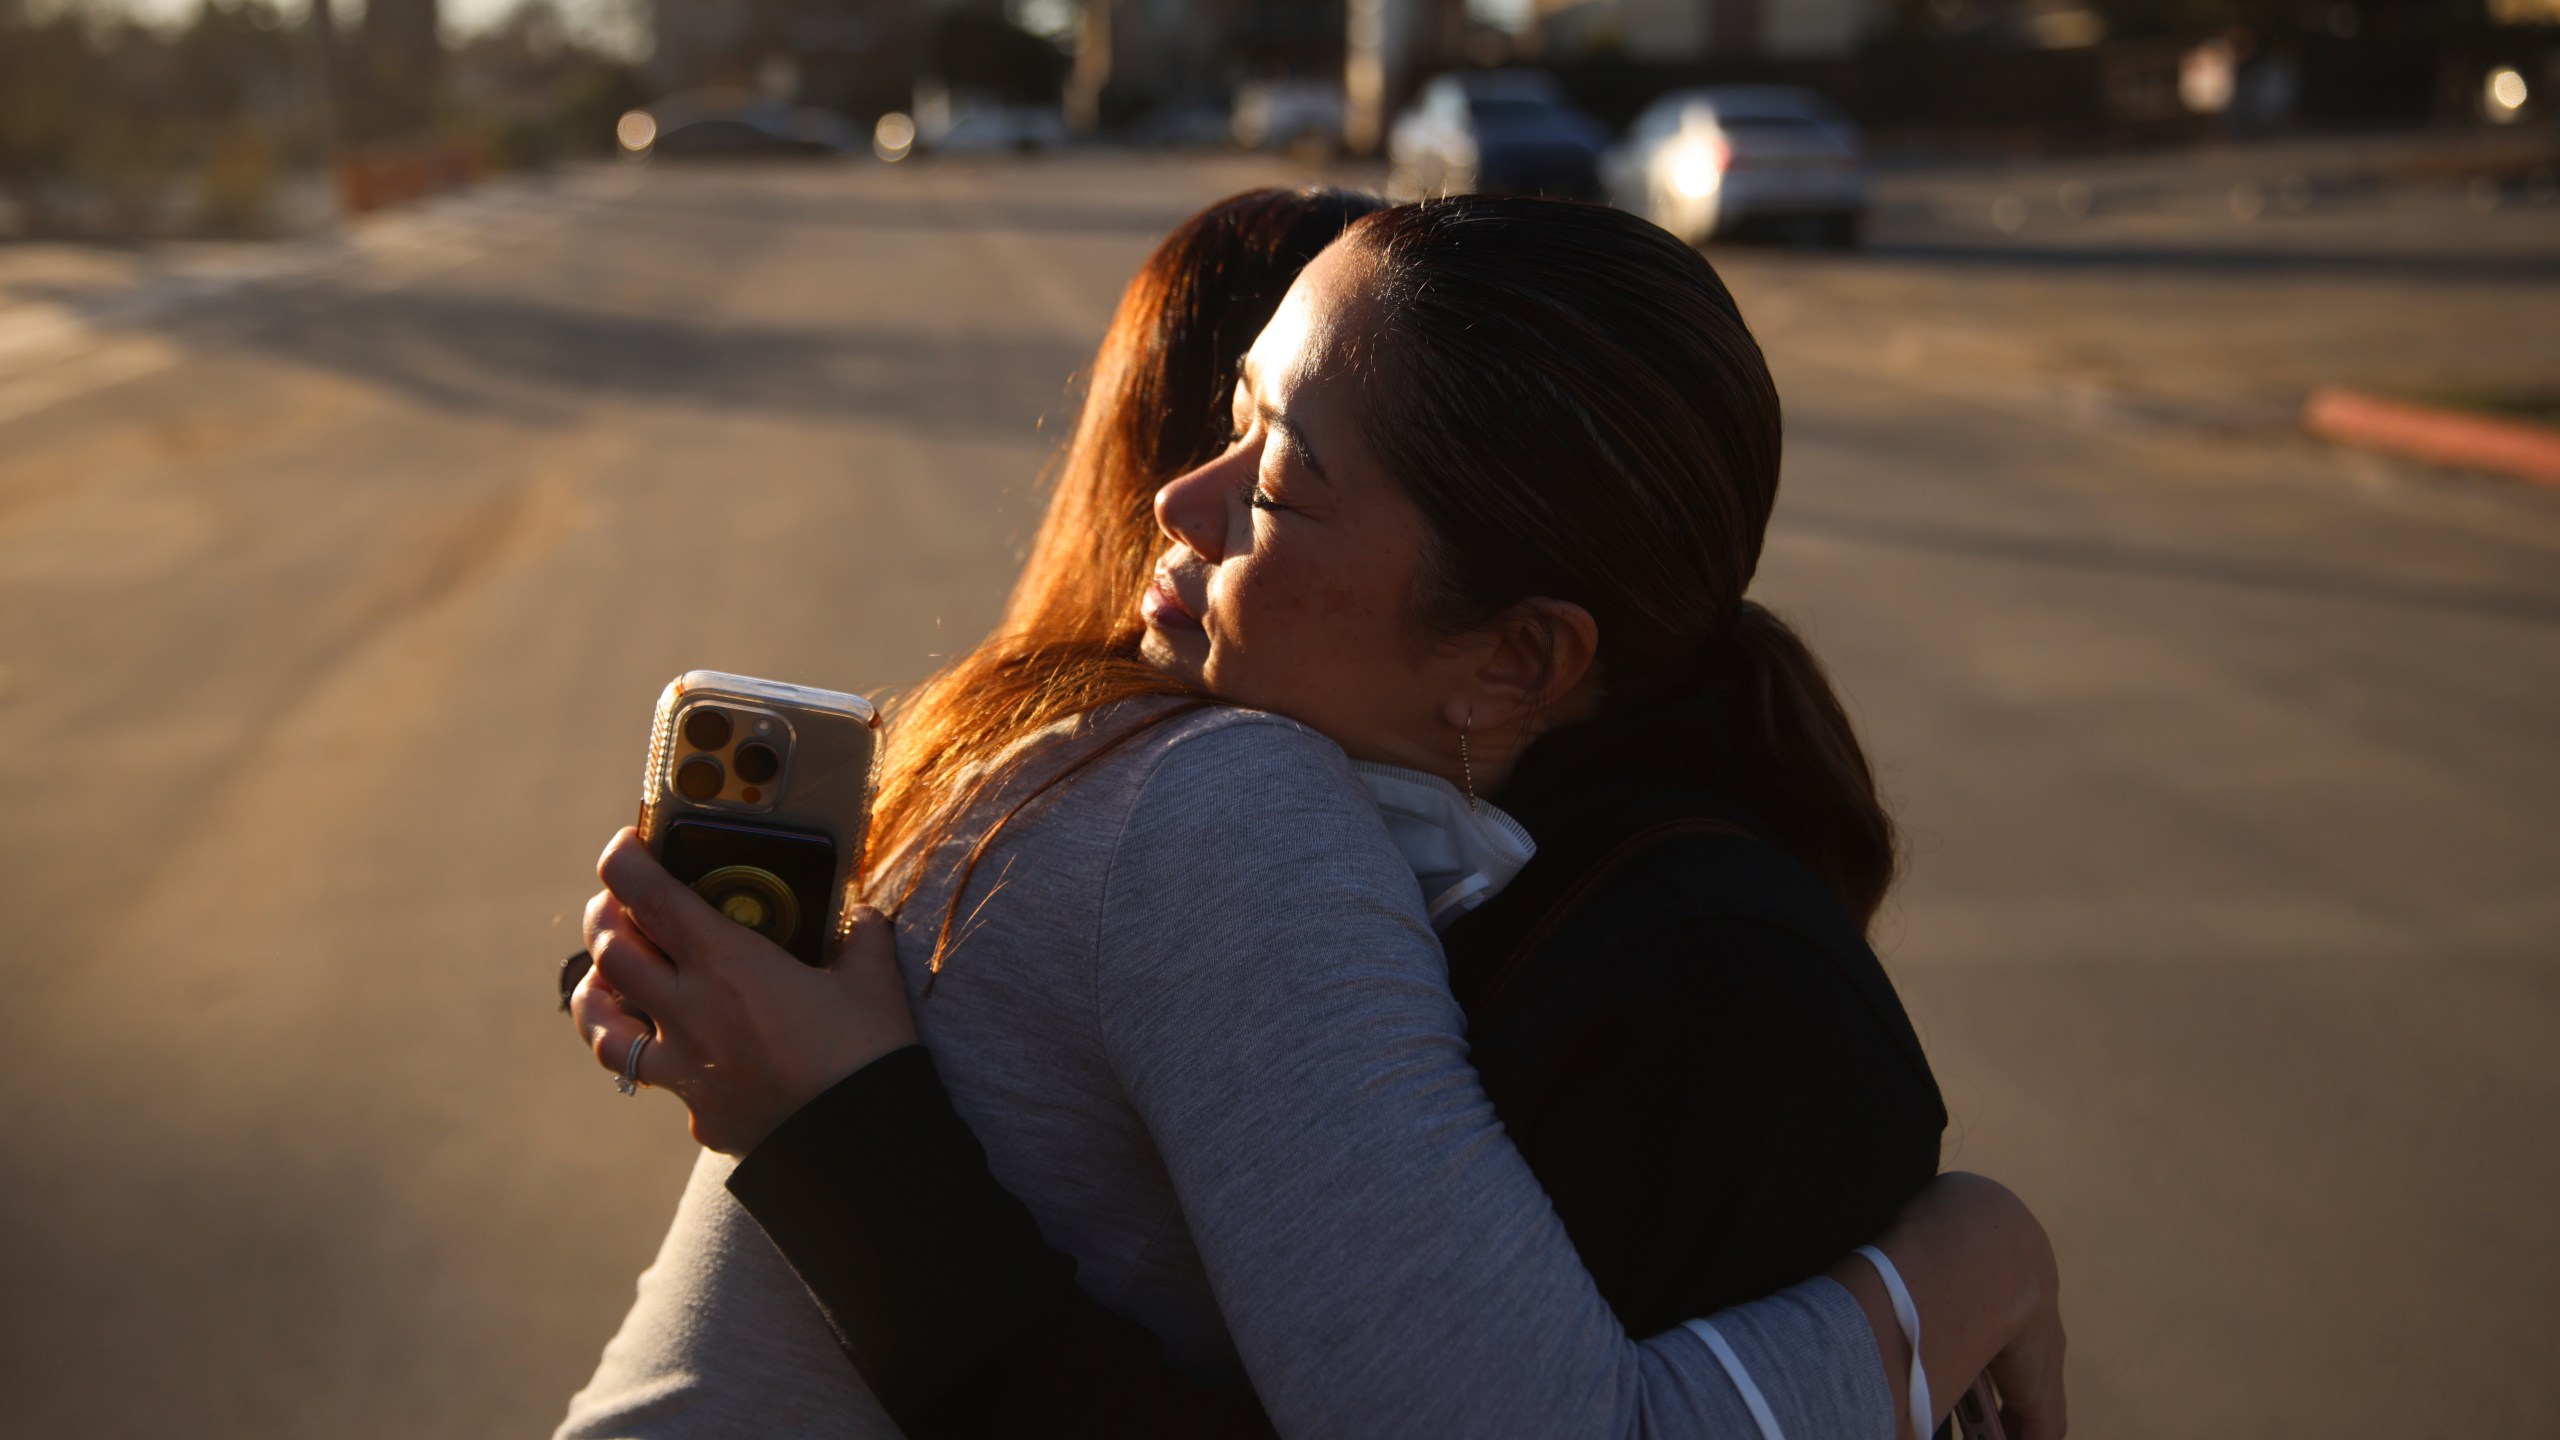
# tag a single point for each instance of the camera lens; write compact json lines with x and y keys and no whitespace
{"x":757,"y":763}
{"x":699,"y":777}
{"x":706,"y":728}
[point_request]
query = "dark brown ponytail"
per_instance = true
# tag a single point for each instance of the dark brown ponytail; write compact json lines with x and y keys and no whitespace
{"x":1796,"y":761}
{"x":1571,"y":398}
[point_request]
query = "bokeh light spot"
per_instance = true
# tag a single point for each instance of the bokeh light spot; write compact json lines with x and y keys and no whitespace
{"x":894,"y":137}
{"x":636,"y":131}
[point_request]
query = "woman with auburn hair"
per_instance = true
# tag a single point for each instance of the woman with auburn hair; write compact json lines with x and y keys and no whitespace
{"x":1499,"y":473}
{"x":1156,"y":407}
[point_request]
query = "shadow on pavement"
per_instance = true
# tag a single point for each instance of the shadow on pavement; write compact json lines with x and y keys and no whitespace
{"x":2229,"y":259}
{"x":922,"y":213}
{"x":537,"y":360}
{"x":2084,"y":556}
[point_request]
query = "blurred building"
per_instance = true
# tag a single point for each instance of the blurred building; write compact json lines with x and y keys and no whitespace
{"x":1191,"y":52}
{"x":1195,"y":51}
{"x":1146,"y":58}
{"x":856,"y":56}
{"x":400,"y":57}
{"x":1680,"y":31}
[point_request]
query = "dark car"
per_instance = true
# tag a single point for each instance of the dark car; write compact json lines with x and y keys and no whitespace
{"x":708,"y":124}
{"x":1495,"y":130}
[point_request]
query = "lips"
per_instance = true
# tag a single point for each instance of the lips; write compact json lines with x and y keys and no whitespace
{"x":1162,"y":605}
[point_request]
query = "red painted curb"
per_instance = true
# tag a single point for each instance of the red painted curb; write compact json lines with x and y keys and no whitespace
{"x":2442,"y":437}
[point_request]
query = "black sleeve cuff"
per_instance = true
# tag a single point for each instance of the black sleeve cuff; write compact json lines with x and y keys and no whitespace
{"x":880,"y":1198}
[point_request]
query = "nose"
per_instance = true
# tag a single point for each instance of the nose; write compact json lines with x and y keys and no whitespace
{"x":1191,"y":509}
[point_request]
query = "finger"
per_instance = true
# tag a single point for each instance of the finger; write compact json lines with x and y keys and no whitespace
{"x":870,"y":942}
{"x":865,"y":964}
{"x":608,"y":1027}
{"x":676,"y":919}
{"x":2050,"y":1417}
{"x":606,"y":917}
{"x":2049,"y":1402}
{"x":635,"y":968}
{"x":2034,"y":1411}
{"x":600,"y":906}
{"x":865,"y":971}
{"x":2024,"y":1423}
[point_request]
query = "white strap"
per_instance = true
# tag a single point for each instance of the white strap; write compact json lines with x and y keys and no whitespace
{"x":1741,"y":1378}
{"x":1908,"y":1315}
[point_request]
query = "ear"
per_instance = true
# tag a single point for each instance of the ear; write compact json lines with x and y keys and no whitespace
{"x":1531,"y":656}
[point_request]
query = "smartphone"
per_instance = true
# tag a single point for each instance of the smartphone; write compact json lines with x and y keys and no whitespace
{"x":757,"y":795}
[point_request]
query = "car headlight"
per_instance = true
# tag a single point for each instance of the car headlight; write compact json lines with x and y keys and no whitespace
{"x":1697,"y":168}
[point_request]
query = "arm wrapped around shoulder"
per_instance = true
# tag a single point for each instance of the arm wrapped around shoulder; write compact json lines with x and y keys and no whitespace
{"x":1278,"y":1011}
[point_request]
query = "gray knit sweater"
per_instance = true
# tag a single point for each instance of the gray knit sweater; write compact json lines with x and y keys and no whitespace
{"x":1198,"y":1020}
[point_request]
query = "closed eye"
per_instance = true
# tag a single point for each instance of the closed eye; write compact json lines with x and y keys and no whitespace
{"x":1260,"y":499}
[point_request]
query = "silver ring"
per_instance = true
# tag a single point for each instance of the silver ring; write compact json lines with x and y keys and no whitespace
{"x":628,"y":1082}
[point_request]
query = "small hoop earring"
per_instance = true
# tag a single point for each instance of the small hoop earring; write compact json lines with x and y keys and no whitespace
{"x":1466,"y":766}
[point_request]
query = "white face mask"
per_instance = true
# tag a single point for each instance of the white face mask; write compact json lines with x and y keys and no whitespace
{"x":1463,"y":855}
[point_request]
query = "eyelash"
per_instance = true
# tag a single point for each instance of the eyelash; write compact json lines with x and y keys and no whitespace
{"x":1257,"y":497}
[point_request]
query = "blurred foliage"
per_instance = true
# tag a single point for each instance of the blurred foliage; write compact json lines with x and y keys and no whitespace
{"x":533,"y":92}
{"x":984,"y":52}
{"x":112,"y":127}
{"x":236,"y":189}
{"x":101,"y":116}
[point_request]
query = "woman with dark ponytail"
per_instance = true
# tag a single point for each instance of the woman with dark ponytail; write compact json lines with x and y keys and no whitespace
{"x":1499,"y":476}
{"x":1571,"y":398}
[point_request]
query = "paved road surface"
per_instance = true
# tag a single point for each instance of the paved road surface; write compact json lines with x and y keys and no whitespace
{"x":333,"y":600}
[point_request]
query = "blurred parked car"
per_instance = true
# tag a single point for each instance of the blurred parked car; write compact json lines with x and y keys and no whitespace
{"x":971,"y":124}
{"x":709,"y":123}
{"x":1288,"y":115}
{"x":1494,"y":130}
{"x":1185,"y":127}
{"x":1710,"y":161}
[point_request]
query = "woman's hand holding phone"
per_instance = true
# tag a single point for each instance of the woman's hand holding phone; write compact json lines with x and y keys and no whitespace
{"x":739,"y":1030}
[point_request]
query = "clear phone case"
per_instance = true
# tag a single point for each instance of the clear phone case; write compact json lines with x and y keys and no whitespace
{"x":821,"y":745}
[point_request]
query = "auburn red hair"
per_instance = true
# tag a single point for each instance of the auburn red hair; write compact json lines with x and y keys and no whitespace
{"x":1156,"y":405}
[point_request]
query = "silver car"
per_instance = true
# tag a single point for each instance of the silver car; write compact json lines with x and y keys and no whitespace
{"x":1706,"y":162}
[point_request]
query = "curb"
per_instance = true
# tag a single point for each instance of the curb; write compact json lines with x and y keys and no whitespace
{"x":2512,"y":448}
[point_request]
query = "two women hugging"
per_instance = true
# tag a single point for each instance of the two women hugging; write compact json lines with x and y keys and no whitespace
{"x":1380,"y":926}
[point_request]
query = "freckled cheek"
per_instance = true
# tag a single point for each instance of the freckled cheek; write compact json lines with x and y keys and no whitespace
{"x":1268,"y":597}
{"x":1288,"y":633}
{"x":1358,"y":592}
{"x":1255,"y":606}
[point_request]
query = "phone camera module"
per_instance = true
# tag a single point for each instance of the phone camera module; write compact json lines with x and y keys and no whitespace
{"x":706,"y":729}
{"x":757,"y":762}
{"x":699,"y":778}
